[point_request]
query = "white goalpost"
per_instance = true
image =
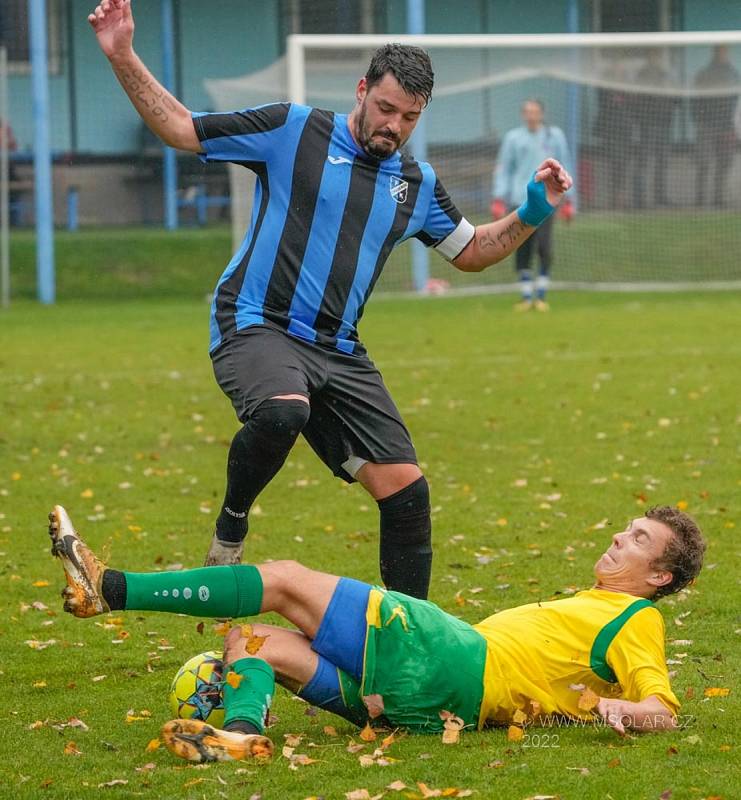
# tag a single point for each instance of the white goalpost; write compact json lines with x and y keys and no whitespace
{"x":652,"y":122}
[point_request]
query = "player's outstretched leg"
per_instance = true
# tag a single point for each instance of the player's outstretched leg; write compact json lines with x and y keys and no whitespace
{"x":83,"y":594}
{"x":195,"y":740}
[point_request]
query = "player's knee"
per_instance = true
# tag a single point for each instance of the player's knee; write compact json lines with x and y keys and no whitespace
{"x":285,"y":575}
{"x":283,"y":420}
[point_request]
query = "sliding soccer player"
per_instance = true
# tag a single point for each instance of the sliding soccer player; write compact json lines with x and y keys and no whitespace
{"x":367,"y":653}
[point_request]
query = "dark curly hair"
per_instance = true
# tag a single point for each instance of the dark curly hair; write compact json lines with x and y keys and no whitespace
{"x":411,"y":66}
{"x":684,"y":551}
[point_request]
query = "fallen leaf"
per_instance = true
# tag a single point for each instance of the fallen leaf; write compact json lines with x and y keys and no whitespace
{"x":588,"y":700}
{"x":293,"y":739}
{"x":222,"y":628}
{"x":614,"y":762}
{"x":40,"y":584}
{"x":519,"y":717}
{"x":233,"y":679}
{"x":253,"y":643}
{"x":716,"y":691}
{"x":374,"y":704}
{"x":397,"y":786}
{"x":70,"y":749}
{"x":514,"y":733}
{"x":358,"y":794}
{"x":330,"y":730}
{"x":153,"y":745}
{"x":368,"y":734}
{"x":115,"y":782}
{"x":146,"y":767}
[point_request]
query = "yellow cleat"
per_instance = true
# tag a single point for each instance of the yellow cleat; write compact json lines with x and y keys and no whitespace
{"x":82,"y":568}
{"x":195,"y":740}
{"x":541,"y":305}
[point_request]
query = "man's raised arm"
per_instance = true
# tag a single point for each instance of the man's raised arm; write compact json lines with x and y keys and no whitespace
{"x":166,"y":116}
{"x":496,"y":240}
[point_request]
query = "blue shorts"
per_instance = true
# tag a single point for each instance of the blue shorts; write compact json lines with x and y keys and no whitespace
{"x":341,"y":635}
{"x":340,"y":648}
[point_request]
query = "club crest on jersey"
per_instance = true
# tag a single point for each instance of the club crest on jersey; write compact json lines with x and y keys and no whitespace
{"x":398,"y":188}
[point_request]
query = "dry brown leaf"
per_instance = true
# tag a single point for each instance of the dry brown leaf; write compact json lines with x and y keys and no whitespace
{"x":689,"y":693}
{"x":519,"y":717}
{"x":293,"y":739}
{"x":153,"y":745}
{"x":70,"y":749}
{"x":146,"y":767}
{"x":222,"y":628}
{"x":233,"y":679}
{"x":452,"y":726}
{"x":614,"y":762}
{"x":374,"y":704}
{"x":368,"y":734}
{"x":397,"y":786}
{"x":115,"y":782}
{"x":388,"y":741}
{"x":588,"y":700}
{"x":330,"y":730}
{"x":514,"y":733}
{"x":254,"y":642}
{"x":716,"y":691}
{"x":358,"y":794}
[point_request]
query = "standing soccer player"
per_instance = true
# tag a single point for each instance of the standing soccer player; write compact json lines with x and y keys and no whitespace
{"x":333,"y":197}
{"x":523,"y":149}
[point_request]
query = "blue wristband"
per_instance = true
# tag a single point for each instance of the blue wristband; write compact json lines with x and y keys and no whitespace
{"x":536,"y":209}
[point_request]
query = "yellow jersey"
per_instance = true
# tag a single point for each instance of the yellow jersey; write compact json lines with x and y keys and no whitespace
{"x":547,"y":652}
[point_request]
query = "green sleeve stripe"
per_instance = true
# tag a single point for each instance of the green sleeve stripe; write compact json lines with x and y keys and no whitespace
{"x":598,"y":656}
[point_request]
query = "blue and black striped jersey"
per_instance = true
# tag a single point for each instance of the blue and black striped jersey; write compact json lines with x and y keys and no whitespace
{"x":324,"y":220}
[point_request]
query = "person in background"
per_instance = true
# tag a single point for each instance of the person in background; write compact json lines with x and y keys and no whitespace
{"x":653,"y":114}
{"x":714,"y":122}
{"x":6,"y":136}
{"x":613,"y":128}
{"x":522,"y":150}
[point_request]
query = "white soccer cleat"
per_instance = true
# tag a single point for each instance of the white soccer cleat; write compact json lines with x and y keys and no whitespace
{"x":82,"y":568}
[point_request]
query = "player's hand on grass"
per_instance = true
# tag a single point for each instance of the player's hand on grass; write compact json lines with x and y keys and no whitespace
{"x":555,"y":178}
{"x":618,"y":714}
{"x":113,"y":24}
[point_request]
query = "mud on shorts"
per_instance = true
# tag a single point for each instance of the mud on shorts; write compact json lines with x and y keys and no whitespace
{"x":352,"y":413}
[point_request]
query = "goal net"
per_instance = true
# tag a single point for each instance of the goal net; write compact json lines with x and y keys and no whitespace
{"x":653,"y":130}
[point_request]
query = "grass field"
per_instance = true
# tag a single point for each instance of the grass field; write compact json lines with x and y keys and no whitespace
{"x":137,"y":263}
{"x":539,"y":434}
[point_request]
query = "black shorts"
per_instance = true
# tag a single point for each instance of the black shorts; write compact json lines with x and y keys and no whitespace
{"x":352,"y":413}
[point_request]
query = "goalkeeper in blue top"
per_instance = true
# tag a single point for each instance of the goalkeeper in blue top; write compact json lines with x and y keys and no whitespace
{"x":523,"y":149}
{"x":333,"y":197}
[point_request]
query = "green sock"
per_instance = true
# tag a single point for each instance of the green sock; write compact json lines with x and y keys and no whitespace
{"x":250,"y":699}
{"x":232,"y":591}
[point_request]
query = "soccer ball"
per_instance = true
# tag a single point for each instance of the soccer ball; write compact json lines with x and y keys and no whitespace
{"x":196,"y":689}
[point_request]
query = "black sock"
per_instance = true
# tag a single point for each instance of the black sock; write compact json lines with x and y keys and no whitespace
{"x":406,"y":539}
{"x":113,"y":589}
{"x":257,"y":452}
{"x":241,"y":726}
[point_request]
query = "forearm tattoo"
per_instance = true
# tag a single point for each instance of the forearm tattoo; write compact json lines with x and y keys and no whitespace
{"x":146,"y":92}
{"x":505,"y":241}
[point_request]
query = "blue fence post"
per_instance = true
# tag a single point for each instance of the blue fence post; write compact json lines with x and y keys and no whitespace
{"x":420,"y":255}
{"x":169,"y":159}
{"x":43,"y":198}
